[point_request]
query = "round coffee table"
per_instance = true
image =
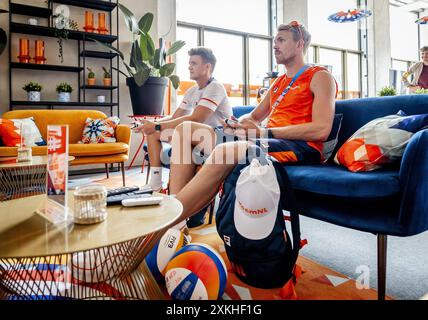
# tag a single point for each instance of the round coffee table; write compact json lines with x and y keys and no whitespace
{"x":39,"y":260}
{"x":23,"y":179}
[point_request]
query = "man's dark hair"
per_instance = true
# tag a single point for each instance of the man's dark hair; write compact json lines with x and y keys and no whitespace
{"x":206,"y":54}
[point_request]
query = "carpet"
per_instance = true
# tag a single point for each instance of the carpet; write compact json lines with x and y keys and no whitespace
{"x":317,"y":282}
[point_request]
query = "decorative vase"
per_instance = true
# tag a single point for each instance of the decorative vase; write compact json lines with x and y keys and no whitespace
{"x":89,"y":21}
{"x":91,"y":81}
{"x":101,"y":99}
{"x":39,"y":57}
{"x":64,"y":96}
{"x":33,"y":21}
{"x":107,"y":82}
{"x":33,"y":96}
{"x":102,"y":23}
{"x":24,"y":50}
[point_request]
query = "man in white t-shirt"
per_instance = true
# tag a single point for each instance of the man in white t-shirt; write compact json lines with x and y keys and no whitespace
{"x":206,"y":102}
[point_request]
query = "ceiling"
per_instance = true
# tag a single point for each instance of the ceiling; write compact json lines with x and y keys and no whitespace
{"x":411,"y":5}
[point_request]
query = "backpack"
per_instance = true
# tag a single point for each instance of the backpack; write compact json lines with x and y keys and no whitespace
{"x":263,"y":256}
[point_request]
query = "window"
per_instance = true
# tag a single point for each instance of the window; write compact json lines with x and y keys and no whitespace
{"x":190,"y":36}
{"x":259,"y":58}
{"x":333,"y":58}
{"x":240,"y":15}
{"x":229,"y":69}
{"x":404,"y":34}
{"x":327,"y":33}
{"x":353,"y":76}
{"x":243,"y":46}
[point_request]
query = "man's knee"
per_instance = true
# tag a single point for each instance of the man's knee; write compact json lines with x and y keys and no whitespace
{"x":229,"y":153}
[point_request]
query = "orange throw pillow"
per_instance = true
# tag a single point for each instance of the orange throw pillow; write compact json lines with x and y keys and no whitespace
{"x":9,"y":133}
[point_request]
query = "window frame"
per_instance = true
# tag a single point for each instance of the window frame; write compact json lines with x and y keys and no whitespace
{"x":245,"y":37}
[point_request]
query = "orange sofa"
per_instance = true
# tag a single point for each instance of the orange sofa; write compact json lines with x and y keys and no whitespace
{"x":84,"y":154}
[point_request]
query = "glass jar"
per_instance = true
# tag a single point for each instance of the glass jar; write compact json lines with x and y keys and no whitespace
{"x":90,"y":204}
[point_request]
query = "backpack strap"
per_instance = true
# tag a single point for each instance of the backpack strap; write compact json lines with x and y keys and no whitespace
{"x":288,"y":202}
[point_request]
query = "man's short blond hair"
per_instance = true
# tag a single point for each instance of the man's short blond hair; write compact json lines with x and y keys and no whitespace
{"x":424,"y":49}
{"x":297,"y":35}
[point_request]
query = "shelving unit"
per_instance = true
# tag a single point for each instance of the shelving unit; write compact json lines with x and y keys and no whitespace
{"x":110,"y":7}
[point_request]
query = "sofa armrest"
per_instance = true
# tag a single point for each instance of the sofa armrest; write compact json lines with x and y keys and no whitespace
{"x":123,"y":134}
{"x":414,"y":184}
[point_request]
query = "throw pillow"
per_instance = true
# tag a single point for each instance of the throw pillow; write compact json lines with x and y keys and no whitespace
{"x":379,"y":142}
{"x":12,"y":130}
{"x":100,"y":130}
{"x":331,"y":141}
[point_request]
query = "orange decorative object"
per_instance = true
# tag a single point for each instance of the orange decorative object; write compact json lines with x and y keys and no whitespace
{"x":89,"y":21}
{"x":24,"y":50}
{"x":40,"y":52}
{"x":102,"y":23}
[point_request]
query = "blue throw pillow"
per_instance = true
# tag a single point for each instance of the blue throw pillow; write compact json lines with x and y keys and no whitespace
{"x":331,"y":141}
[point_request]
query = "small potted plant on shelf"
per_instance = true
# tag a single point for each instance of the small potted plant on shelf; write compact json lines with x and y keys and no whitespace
{"x":33,"y":91}
{"x":107,"y":78}
{"x":64,"y":91}
{"x":91,"y":77}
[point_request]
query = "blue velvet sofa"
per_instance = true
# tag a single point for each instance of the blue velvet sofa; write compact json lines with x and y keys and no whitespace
{"x":391,"y":201}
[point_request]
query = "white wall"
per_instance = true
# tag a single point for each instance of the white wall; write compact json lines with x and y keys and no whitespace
{"x":424,"y":30}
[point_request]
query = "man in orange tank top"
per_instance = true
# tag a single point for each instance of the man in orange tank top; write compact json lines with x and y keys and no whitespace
{"x":299,"y":108}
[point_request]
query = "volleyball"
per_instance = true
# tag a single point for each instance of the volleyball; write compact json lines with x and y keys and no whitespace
{"x":157,"y":259}
{"x":196,"y":272}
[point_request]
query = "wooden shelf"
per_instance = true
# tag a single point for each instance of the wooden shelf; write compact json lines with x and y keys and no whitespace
{"x":47,"y":67}
{"x":67,"y":104}
{"x":33,"y":11}
{"x":98,"y":87}
{"x":98,"y":54}
{"x":50,"y":32}
{"x":90,"y":4}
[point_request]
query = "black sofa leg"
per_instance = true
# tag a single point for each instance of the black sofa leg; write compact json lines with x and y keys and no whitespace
{"x":381,"y":265}
{"x":107,"y":171}
{"x":122,"y":165}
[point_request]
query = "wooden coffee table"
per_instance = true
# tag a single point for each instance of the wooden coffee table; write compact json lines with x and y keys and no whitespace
{"x":23,"y":179}
{"x":39,"y":260}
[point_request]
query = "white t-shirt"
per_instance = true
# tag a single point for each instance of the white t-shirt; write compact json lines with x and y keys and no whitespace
{"x":213,"y":97}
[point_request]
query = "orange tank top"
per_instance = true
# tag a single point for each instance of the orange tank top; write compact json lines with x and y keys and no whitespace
{"x":296,"y":106}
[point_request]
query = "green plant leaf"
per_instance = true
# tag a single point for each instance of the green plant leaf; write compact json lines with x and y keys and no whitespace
{"x":156,"y":59}
{"x":130,"y":20}
{"x":109,"y":46}
{"x":150,"y":45}
{"x":175,"y":47}
{"x":145,"y":22}
{"x":136,"y":57}
{"x":175,"y":80}
{"x":141,"y":76}
{"x":162,"y":52}
{"x":3,"y":40}
{"x":147,"y":47}
{"x":167,"y":69}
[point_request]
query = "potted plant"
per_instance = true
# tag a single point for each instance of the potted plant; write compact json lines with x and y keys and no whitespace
{"x":148,"y":71}
{"x":64,"y":91}
{"x":107,"y":78}
{"x":421,"y":91}
{"x":33,"y":91}
{"x":91,"y":77}
{"x":387,"y":91}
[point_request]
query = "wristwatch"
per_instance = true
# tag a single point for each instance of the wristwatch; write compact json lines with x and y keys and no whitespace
{"x":157,"y":127}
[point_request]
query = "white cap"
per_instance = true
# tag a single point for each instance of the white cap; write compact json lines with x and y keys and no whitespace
{"x":257,"y":198}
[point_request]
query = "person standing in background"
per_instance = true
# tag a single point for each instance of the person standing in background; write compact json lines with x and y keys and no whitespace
{"x":420,"y":73}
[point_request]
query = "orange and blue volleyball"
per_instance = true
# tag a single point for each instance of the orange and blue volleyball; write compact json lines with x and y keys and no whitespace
{"x":196,"y":272}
